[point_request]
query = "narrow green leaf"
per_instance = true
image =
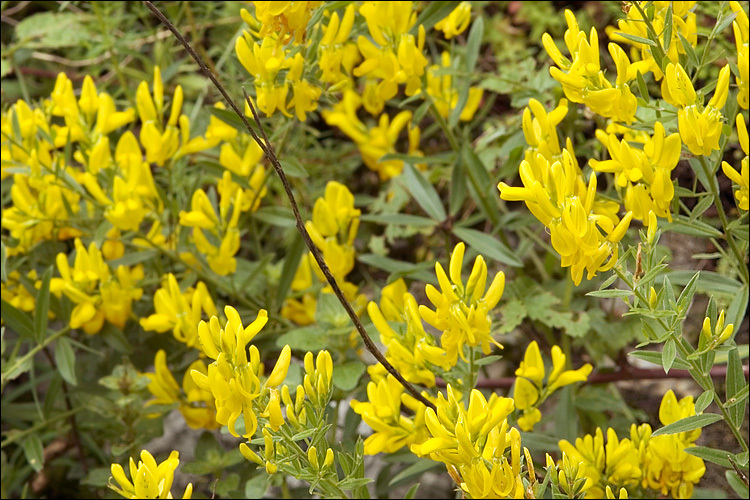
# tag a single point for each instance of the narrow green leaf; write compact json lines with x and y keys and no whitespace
{"x":735,"y":383}
{"x":687,"y":293}
{"x":738,"y":307}
{"x":724,"y":23}
{"x":610,"y":293}
{"x":291,"y":263}
{"x":17,"y":320}
{"x":473,"y":43}
{"x":488,"y":246}
{"x":65,"y":359}
{"x":668,"y":355}
{"x":737,"y":484}
{"x":3,"y":263}
{"x":688,"y":424}
{"x":683,"y":225}
{"x":457,"y":187}
{"x":41,"y":309}
{"x":434,"y":12}
{"x":703,"y":401}
{"x":294,"y":168}
{"x":347,"y":375}
{"x":656,"y":358}
{"x":229,"y":117}
{"x":708,"y":282}
{"x":636,"y":39}
{"x":482,"y":184}
{"x":667,"y":33}
{"x":412,"y":491}
{"x":423,"y":193}
{"x":398,"y":219}
{"x":642,"y":87}
{"x":353,"y":482}
{"x":738,"y":398}
{"x":415,"y":470}
{"x":34,"y":451}
{"x":689,"y":50}
{"x":712,"y":455}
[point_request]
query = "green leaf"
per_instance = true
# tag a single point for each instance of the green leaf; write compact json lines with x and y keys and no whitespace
{"x":610,"y":293}
{"x":737,"y":484}
{"x":738,"y":308}
{"x":423,"y":193}
{"x":709,"y":281}
{"x":481,"y":183}
{"x":3,"y":263}
{"x":642,"y":87}
{"x":291,"y":263}
{"x":131,"y":258}
{"x":434,"y":12}
{"x":683,"y":225}
{"x":457,"y":188}
{"x":53,"y":30}
{"x":636,"y":39}
{"x":412,"y":491}
{"x":488,"y":360}
{"x":668,"y":355}
{"x":656,"y":358}
{"x":712,"y":455}
{"x":256,"y":487}
{"x":275,"y":216}
{"x":354,"y":482}
{"x":66,"y":360}
{"x":329,"y":310}
{"x":294,"y":168}
{"x":308,"y":338}
{"x":34,"y":451}
{"x":738,"y":398}
{"x":347,"y":375}
{"x":688,"y":424}
{"x":473,"y":43}
{"x":17,"y":320}
{"x":689,"y":50}
{"x":735,"y":383}
{"x":488,"y":246}
{"x":687,"y":293}
{"x":667,"y":33}
{"x":229,"y":117}
{"x":41,"y":309}
{"x":400,"y":219}
{"x":703,"y":401}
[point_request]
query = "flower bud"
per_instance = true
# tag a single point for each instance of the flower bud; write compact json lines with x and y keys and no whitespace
{"x":652,"y":299}
{"x":279,"y":372}
{"x":329,"y":459}
{"x":250,"y":454}
{"x":312,"y":457}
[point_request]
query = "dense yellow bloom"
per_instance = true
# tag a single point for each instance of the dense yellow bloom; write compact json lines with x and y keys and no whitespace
{"x":195,"y":404}
{"x":445,"y":95}
{"x":264,"y":62}
{"x":540,"y":131}
{"x":168,"y":140}
{"x":16,"y":294}
{"x":529,"y":390}
{"x":462,"y":312}
{"x":643,"y":174}
{"x":554,"y":191}
{"x":395,"y":57}
{"x":582,"y":78}
{"x":411,"y":350}
{"x":179,"y":312}
{"x":741,"y":27}
{"x":476,"y":442}
{"x":700,"y":127}
{"x":234,"y":378}
{"x":616,"y":463}
{"x":382,"y":412}
{"x":149,"y":479}
{"x":456,"y":22}
{"x":375,"y":142}
{"x":334,"y":53}
{"x":98,"y":295}
{"x":288,"y":20}
{"x":741,"y":178}
{"x":683,"y":23}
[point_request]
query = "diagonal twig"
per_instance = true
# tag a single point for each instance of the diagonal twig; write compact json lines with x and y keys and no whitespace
{"x":268,"y":150}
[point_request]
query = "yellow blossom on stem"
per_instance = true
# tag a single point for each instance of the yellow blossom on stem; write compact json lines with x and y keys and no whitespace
{"x":288,"y":20}
{"x":741,"y":178}
{"x":445,"y":95}
{"x":462,"y":310}
{"x":149,"y":479}
{"x":456,"y":22}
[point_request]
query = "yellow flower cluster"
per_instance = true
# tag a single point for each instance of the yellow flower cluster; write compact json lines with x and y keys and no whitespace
{"x":659,"y":463}
{"x":149,"y":479}
{"x":98,"y":295}
{"x":180,"y":312}
{"x":195,"y":404}
{"x":479,"y":450}
{"x":234,"y":378}
{"x":411,"y":350}
{"x":583,"y":79}
{"x":584,"y":230}
{"x":333,"y":230}
{"x":384,"y":59}
{"x":741,"y":27}
{"x":683,"y":23}
{"x":529,"y":392}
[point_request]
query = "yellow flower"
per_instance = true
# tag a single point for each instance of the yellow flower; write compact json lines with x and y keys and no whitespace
{"x":445,"y":95}
{"x":382,"y":412}
{"x":456,"y":22}
{"x":149,"y":479}
{"x":462,"y":311}
{"x":644,"y":174}
{"x":286,"y":19}
{"x":264,"y":62}
{"x":700,"y":127}
{"x":529,"y":390}
{"x":179,"y":312}
{"x":741,"y":178}
{"x":334,"y":53}
{"x":741,"y":38}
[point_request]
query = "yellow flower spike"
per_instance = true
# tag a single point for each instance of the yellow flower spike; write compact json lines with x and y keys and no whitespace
{"x":281,"y":368}
{"x":158,"y":90}
{"x":456,"y":22}
{"x":89,"y":101}
{"x":150,"y":480}
{"x":145,"y":104}
{"x":532,"y":366}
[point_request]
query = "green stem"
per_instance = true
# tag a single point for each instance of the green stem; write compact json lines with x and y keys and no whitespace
{"x":23,"y":359}
{"x":650,"y":27}
{"x":41,"y":425}
{"x":696,"y":371}
{"x":21,"y":79}
{"x":713,"y":185}
{"x":111,"y":48}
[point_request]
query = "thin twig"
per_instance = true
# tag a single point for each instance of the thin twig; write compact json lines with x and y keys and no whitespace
{"x":630,"y":373}
{"x":271,"y":156}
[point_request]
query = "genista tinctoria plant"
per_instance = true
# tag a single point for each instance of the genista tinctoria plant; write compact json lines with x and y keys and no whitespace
{"x":131,"y":213}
